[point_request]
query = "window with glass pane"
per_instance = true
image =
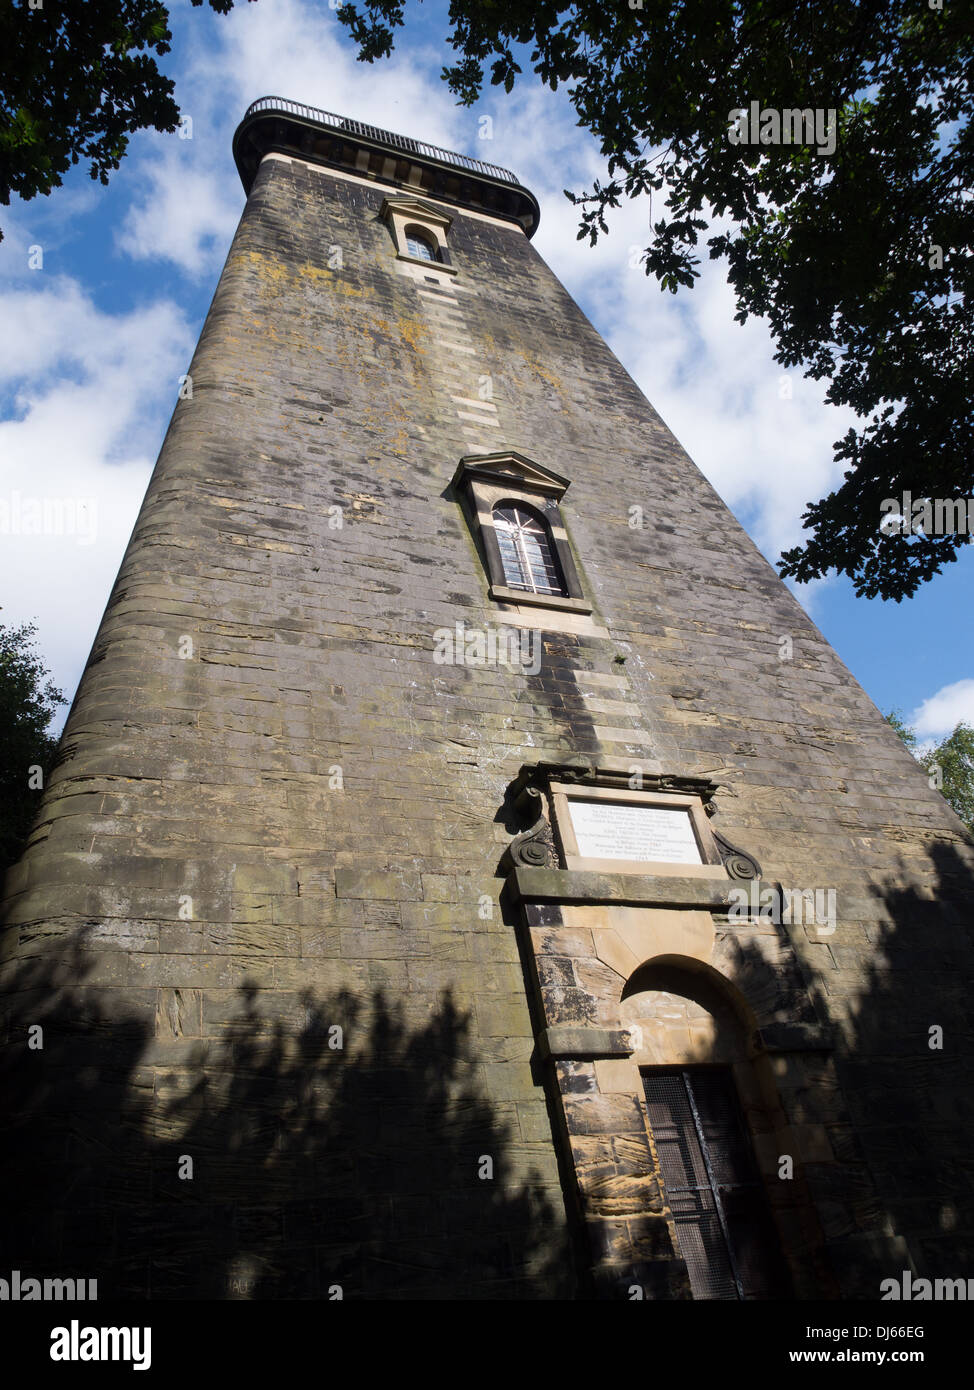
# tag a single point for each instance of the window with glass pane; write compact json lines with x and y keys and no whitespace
{"x":526,"y":552}
{"x":723,"y":1223}
{"x":419,"y":246}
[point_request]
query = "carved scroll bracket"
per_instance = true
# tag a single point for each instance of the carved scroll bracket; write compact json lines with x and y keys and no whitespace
{"x":534,"y":847}
{"x":738,"y":863}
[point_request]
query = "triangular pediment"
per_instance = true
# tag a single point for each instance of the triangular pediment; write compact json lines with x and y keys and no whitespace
{"x":415,"y":207}
{"x":512,"y":467}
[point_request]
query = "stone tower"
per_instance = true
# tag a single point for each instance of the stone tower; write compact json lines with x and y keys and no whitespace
{"x":468,"y":872}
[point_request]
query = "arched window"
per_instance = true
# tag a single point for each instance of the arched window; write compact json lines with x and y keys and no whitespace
{"x":511,"y":504}
{"x":417,"y":245}
{"x":526,"y":551}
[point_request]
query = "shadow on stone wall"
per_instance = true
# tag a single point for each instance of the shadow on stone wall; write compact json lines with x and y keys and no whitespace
{"x":313,"y":1167}
{"x":910,"y":1093}
{"x":901,"y":1128}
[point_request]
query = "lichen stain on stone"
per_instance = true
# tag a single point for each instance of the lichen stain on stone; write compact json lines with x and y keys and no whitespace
{"x":279,"y":274}
{"x":399,"y":444}
{"x":410,"y":331}
{"x":333,"y":279}
{"x":535,"y":366}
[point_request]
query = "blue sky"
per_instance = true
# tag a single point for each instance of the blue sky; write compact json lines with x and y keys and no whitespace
{"x":96,"y":337}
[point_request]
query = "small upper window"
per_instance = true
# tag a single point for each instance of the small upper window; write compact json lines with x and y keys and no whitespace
{"x":526,"y":552}
{"x":418,"y":246}
{"x":419,"y":234}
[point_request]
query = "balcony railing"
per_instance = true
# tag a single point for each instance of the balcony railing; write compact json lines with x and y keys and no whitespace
{"x":380,"y":137}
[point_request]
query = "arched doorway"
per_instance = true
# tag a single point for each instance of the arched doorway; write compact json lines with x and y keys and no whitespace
{"x":711,"y":1126}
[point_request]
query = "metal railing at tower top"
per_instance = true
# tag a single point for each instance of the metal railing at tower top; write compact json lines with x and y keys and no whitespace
{"x":380,"y":137}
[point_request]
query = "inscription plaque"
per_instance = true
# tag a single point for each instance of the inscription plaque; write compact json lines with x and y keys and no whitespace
{"x":611,"y":830}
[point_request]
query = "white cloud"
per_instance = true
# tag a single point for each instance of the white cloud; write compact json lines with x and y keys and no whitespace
{"x":713,"y":381}
{"x":186,"y":213}
{"x":88,"y":390}
{"x":941,"y":713}
{"x":189,"y":196}
{"x":92,"y":390}
{"x":299,"y":51}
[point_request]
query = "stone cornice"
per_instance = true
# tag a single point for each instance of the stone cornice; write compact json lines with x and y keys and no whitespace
{"x":274,"y":124}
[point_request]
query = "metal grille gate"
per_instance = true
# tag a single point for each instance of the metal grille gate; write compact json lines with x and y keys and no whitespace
{"x":723,"y":1224}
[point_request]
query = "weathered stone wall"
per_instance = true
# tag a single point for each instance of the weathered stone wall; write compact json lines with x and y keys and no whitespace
{"x":293,"y":820}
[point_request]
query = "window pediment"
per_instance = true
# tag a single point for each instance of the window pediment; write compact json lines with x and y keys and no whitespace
{"x":416,"y":211}
{"x":504,"y":468}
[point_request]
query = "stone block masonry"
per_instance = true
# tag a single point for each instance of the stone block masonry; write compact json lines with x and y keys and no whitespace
{"x":288,"y":1022}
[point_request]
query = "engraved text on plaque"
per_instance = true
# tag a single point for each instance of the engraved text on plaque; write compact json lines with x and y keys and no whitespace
{"x":611,"y":830}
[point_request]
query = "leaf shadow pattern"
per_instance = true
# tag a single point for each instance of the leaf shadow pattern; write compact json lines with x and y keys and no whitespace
{"x":911,"y":1088}
{"x":375,"y":1169}
{"x":894,"y":1099}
